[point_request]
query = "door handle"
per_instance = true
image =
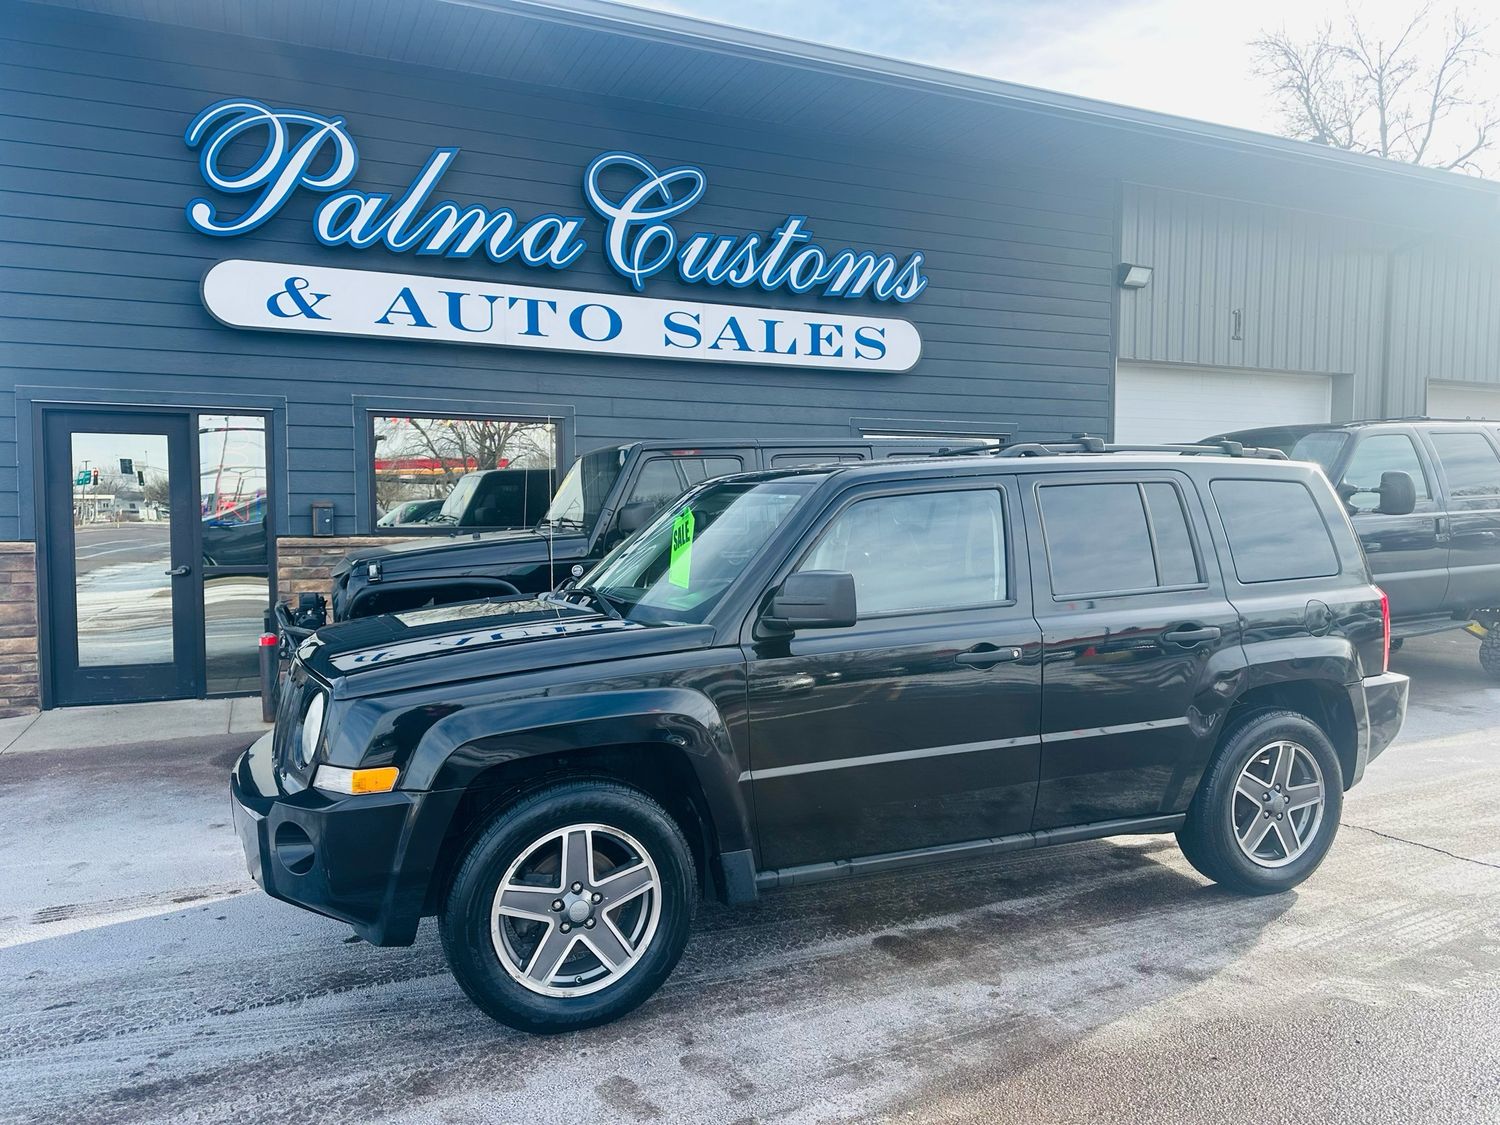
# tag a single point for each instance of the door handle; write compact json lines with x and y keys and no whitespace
{"x":1192,"y":634}
{"x":985,"y":656}
{"x":178,"y":571}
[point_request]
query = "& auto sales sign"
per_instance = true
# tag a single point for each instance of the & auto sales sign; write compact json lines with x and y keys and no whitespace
{"x":278,"y":153}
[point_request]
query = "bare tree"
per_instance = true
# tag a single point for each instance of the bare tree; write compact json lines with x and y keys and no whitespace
{"x":453,"y":447}
{"x":1413,"y":96}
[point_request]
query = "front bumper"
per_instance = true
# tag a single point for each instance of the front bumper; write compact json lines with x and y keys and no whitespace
{"x":364,"y":860}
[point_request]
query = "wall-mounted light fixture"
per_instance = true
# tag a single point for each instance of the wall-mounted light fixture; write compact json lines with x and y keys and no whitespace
{"x":1134,"y":277}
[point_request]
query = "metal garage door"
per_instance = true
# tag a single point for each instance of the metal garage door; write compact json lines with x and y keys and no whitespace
{"x":1462,"y":400}
{"x":1177,"y":404}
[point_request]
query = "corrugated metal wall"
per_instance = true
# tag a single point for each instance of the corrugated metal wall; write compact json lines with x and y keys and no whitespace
{"x":99,"y":286}
{"x":1311,"y":295}
{"x":1445,"y":320}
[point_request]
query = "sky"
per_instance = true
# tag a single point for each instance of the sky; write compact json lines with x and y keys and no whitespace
{"x":1187,"y":57}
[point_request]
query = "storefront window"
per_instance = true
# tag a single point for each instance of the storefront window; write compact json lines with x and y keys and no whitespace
{"x":437,"y":474}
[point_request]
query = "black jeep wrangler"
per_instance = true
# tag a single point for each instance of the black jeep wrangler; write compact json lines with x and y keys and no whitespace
{"x":808,"y":674}
{"x":1435,"y":552}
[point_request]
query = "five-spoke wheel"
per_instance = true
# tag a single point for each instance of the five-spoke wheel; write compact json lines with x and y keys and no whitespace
{"x":1278,"y":804}
{"x":571,"y":907}
{"x":576,"y":910}
{"x":1268,"y":806}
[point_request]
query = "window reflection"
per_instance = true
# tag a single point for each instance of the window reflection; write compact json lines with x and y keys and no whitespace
{"x":232,"y":488}
{"x":234,"y":609}
{"x":434,"y":474}
{"x":122,"y":549}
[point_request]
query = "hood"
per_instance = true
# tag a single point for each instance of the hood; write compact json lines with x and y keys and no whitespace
{"x":389,"y":638}
{"x":519,"y":545}
{"x":467,"y":640}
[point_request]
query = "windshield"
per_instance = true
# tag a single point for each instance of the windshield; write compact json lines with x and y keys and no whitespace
{"x":583,"y":491}
{"x":1322,"y":446}
{"x":680,"y":565}
{"x":453,"y":508}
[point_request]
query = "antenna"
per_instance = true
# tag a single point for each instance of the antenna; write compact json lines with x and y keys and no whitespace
{"x":551,"y":577}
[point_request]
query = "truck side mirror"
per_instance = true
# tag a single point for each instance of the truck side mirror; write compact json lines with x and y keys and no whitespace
{"x":1398,"y":495}
{"x":814,"y":599}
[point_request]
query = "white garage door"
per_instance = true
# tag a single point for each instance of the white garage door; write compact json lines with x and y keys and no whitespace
{"x":1183,"y":404}
{"x":1462,"y":400}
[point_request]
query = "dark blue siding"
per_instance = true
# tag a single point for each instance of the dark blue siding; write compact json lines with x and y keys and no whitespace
{"x":99,"y":272}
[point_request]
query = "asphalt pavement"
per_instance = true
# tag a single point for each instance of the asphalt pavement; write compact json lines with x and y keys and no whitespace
{"x":144,"y":978}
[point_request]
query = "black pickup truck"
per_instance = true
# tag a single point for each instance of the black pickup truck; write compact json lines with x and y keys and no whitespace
{"x":606,"y":495}
{"x":1439,"y":561}
{"x":806,"y":674}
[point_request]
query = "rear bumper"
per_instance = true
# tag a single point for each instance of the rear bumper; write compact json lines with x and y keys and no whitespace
{"x":1379,"y":704}
{"x":363,"y":860}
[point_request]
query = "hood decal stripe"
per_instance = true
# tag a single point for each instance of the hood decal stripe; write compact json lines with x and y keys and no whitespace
{"x":385,"y":654}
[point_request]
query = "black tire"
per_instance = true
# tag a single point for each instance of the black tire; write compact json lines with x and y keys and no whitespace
{"x":479,"y":959}
{"x":1209,"y":838}
{"x":1489,"y":653}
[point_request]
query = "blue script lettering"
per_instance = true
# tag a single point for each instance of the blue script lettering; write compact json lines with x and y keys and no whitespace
{"x":299,"y":150}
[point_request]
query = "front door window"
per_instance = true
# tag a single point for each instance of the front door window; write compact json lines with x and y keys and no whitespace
{"x":1373,"y":457}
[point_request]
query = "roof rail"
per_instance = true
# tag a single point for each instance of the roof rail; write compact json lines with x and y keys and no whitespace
{"x":1089,"y":443}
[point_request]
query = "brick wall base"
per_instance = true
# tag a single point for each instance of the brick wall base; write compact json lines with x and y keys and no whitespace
{"x":20,"y":680}
{"x":303,"y":565}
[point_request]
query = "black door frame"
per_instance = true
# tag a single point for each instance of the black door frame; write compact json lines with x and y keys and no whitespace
{"x":130,"y":414}
{"x":64,"y":682}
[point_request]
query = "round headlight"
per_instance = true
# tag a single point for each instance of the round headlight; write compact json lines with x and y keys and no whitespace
{"x":312,"y":728}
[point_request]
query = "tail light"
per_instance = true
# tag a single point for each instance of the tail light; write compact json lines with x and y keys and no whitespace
{"x":1385,"y":621}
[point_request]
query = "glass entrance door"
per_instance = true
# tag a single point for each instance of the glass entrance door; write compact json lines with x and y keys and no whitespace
{"x":124,"y":594}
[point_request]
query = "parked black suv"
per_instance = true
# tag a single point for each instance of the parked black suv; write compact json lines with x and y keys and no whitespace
{"x":1439,"y":557}
{"x":605,"y":496}
{"x":804,"y":675}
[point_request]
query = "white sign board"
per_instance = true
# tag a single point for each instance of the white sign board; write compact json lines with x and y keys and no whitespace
{"x":300,"y":298}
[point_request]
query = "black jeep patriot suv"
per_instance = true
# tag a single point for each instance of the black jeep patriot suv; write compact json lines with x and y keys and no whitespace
{"x":808,"y":674}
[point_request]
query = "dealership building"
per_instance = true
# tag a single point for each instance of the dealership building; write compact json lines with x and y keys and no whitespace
{"x":279,"y":277}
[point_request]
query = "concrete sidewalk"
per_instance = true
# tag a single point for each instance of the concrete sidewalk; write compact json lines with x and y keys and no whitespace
{"x":125,"y":724}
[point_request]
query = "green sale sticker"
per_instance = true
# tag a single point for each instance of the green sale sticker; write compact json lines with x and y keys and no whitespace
{"x":682,"y":549}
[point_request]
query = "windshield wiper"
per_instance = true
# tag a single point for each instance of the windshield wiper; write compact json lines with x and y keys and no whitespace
{"x":559,"y":522}
{"x":593,"y":595}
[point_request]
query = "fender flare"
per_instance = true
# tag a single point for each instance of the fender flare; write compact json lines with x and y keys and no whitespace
{"x":679,"y":721}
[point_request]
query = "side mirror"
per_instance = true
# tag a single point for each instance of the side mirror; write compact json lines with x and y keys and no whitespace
{"x":814,"y":599}
{"x":634,"y":516}
{"x":1398,"y":495}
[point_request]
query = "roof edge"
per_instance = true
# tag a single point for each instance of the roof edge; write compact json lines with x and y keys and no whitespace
{"x":626,"y":19}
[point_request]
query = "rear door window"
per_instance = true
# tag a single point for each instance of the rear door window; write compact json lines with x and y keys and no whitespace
{"x":1116,"y":538}
{"x":1469,"y":463}
{"x":1275,"y":530}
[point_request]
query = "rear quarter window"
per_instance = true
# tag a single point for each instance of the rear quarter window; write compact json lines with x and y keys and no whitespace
{"x":1276,"y":530}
